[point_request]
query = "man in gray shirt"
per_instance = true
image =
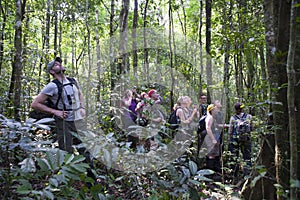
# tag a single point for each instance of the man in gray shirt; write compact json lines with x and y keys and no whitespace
{"x":69,"y":109}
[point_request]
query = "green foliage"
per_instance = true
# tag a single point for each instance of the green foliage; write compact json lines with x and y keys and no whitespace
{"x":32,"y":169}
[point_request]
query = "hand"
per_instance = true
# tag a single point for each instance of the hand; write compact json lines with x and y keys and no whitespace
{"x":214,"y":141}
{"x":82,"y":112}
{"x":226,"y":125}
{"x":61,"y":114}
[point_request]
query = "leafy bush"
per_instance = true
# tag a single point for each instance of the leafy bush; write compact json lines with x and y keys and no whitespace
{"x":33,"y":169}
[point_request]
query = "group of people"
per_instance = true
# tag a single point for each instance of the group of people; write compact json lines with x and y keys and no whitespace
{"x":239,"y":137}
{"x":146,"y":109}
{"x":141,"y":109}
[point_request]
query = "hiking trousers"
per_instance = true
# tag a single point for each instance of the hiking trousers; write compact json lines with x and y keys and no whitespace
{"x":235,"y":146}
{"x":65,"y":130}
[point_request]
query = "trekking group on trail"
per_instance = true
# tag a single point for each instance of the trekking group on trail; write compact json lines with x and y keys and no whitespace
{"x":205,"y":122}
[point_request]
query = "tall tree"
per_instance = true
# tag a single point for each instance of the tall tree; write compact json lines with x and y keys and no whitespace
{"x":208,"y":48}
{"x":124,"y":64}
{"x":17,"y":63}
{"x":171,"y":54}
{"x":111,"y":44}
{"x":98,"y":55}
{"x":2,"y":28}
{"x":280,"y":104}
{"x":134,"y":27}
{"x":146,"y":57}
{"x":89,"y":67}
{"x":277,"y":15}
{"x":200,"y":44}
{"x":55,"y":21}
{"x":277,"y":29}
{"x":291,"y":94}
{"x":227,"y":25}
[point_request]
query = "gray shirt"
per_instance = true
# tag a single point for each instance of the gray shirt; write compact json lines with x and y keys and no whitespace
{"x":69,"y":98}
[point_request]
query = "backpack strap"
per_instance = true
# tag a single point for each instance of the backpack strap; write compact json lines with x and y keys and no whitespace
{"x":244,"y":116}
{"x":60,"y":86}
{"x":236,"y":117}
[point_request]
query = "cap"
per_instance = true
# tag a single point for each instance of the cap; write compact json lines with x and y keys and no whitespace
{"x":210,"y":107}
{"x":239,"y":105}
{"x":51,"y":64}
{"x":151,"y":92}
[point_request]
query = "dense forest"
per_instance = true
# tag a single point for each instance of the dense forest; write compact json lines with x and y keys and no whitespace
{"x":232,"y":51}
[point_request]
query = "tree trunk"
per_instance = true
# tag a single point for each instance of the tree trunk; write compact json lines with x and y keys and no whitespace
{"x":26,"y":90}
{"x":263,"y":73}
{"x":146,"y":57}
{"x":281,"y":115}
{"x":297,"y":88}
{"x":98,"y":54}
{"x":200,"y":47}
{"x":227,"y":45}
{"x":3,"y":25}
{"x":17,"y":64}
{"x":276,"y":24}
{"x":264,"y":187}
{"x":111,"y":49}
{"x":291,"y":69}
{"x":134,"y":27}
{"x":55,"y":17}
{"x":276,"y":31}
{"x":183,"y":24}
{"x":124,"y":65}
{"x":89,"y":67}
{"x":46,"y":45}
{"x":208,"y":47}
{"x":171,"y":54}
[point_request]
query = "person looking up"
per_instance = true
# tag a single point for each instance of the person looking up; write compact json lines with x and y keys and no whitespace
{"x":211,"y":140}
{"x":69,"y":106}
{"x":129,"y":103}
{"x":202,"y":105}
{"x":154,"y":95}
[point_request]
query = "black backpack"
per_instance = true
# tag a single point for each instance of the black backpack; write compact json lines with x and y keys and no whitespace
{"x":174,"y":121}
{"x":201,"y":133}
{"x":242,"y":127}
{"x":36,"y":114}
{"x":202,"y":126}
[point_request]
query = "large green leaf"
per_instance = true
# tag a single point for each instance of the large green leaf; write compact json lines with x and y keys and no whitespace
{"x":28,"y":165}
{"x":80,"y":167}
{"x":43,"y":164}
{"x":50,"y":156}
{"x":69,"y":158}
{"x":24,"y":187}
{"x":193,"y":167}
{"x":44,"y":121}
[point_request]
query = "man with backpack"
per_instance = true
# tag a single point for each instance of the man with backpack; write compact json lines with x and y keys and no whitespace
{"x":203,"y":105}
{"x":239,"y":133}
{"x":67,"y":105}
